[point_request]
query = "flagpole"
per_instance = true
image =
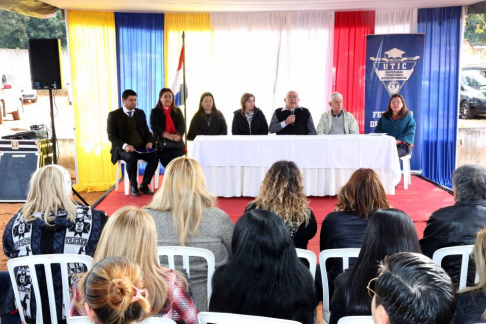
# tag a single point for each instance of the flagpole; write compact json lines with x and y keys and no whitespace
{"x":184,"y":87}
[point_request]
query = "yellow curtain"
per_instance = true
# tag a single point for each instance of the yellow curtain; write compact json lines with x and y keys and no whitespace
{"x":92,"y":42}
{"x":198,"y":49}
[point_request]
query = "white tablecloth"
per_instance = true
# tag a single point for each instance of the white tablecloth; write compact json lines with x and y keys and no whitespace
{"x":234,"y":166}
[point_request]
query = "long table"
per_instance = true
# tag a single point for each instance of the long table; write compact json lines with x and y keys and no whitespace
{"x":235,"y":166}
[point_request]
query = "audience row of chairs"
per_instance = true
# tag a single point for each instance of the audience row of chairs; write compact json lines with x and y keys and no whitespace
{"x":186,"y":252}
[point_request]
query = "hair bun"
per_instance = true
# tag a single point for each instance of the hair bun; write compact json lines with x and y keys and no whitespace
{"x":120,"y":294}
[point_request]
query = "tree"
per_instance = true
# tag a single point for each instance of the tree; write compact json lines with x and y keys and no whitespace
{"x":16,"y":29}
{"x":475,"y":29}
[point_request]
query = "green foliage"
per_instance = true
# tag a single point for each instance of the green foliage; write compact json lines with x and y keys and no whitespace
{"x":16,"y":29}
{"x":475,"y":28}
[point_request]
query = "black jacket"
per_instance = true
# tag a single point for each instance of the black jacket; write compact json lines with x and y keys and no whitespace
{"x":470,"y":307}
{"x":157,"y":122}
{"x":199,"y":126}
{"x":118,"y":131}
{"x":259,"y":125}
{"x":454,"y":226}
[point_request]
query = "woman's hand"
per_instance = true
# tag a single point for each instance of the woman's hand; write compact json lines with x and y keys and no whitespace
{"x":399,"y":142}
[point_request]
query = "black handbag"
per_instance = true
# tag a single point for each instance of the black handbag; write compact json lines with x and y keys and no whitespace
{"x":165,"y":143}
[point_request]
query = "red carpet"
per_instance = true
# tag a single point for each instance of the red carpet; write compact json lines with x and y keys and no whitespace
{"x":419,"y":201}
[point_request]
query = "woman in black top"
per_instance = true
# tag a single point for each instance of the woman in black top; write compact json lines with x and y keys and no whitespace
{"x":249,"y":120}
{"x":208,"y":120}
{"x":282,"y":193}
{"x":167,"y":122}
{"x":360,"y":197}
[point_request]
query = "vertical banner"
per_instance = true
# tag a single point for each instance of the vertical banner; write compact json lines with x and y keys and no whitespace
{"x":394,"y":65}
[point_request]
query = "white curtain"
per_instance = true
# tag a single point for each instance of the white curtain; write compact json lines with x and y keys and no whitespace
{"x":268,"y":54}
{"x":396,"y":21}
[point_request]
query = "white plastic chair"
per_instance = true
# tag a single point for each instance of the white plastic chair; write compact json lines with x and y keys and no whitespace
{"x":186,"y":252}
{"x":356,"y":320}
{"x":407,"y":173}
{"x":151,"y":320}
{"x":465,"y":251}
{"x":311,"y":258}
{"x":46,"y":260}
{"x":227,"y":318}
{"x":126,"y":181}
{"x":345,"y":255}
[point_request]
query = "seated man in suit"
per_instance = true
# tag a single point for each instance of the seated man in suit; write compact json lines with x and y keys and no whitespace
{"x":128,"y":131}
{"x":292,"y":119}
{"x":412,"y":288}
{"x":337,"y":121}
{"x":458,"y":224}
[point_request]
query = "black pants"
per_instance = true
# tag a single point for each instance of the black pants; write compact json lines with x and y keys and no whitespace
{"x":167,"y":155}
{"x":403,"y":150}
{"x":132,"y":164}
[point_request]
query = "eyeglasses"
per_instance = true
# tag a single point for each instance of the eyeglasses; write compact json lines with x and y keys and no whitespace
{"x":292,"y":97}
{"x":371,"y":292}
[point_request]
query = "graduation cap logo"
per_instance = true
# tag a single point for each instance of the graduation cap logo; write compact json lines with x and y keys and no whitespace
{"x":394,"y":70}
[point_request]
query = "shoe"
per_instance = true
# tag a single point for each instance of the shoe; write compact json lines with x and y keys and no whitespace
{"x":134,"y":191}
{"x":145,"y":189}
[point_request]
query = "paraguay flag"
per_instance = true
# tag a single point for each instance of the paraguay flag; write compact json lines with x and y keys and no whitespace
{"x":177,"y":87}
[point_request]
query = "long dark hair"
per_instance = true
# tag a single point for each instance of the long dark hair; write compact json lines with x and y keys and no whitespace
{"x":402,"y":113}
{"x":264,"y":277}
{"x":215,"y":110}
{"x":389,"y":231}
{"x":161,"y":93}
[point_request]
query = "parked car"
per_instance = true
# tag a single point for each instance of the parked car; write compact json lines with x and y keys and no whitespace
{"x":472,"y":94}
{"x":29,"y":94}
{"x":11,"y":101}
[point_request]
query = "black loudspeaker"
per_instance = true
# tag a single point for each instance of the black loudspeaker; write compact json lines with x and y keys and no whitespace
{"x":45,"y":63}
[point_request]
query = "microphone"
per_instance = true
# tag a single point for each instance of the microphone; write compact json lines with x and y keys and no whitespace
{"x":292,"y":113}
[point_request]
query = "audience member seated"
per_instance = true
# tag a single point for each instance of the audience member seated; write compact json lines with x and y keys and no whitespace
{"x":185,"y":215}
{"x":389,"y":231}
{"x":398,"y":122}
{"x":114,"y":292}
{"x":412,"y":288}
{"x":50,"y":222}
{"x":208,"y":120}
{"x":130,"y":232}
{"x":282,"y":192}
{"x":346,"y":226}
{"x":471,"y":301}
{"x":458,"y":224}
{"x":264,"y":277}
{"x":249,"y":120}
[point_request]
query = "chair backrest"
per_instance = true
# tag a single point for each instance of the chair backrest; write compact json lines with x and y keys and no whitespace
{"x":344,"y":254}
{"x":356,"y":320}
{"x":28,"y":263}
{"x":186,"y":252}
{"x":226,"y":318}
{"x":311,"y":258}
{"x":151,"y":320}
{"x":464,"y":251}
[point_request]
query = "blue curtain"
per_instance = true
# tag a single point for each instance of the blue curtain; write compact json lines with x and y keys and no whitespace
{"x":440,"y":86}
{"x":140,"y":55}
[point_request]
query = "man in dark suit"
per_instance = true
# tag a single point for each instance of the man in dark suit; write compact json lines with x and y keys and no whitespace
{"x":128,"y":131}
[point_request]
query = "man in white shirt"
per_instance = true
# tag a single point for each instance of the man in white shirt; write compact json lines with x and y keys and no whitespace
{"x":337,"y":121}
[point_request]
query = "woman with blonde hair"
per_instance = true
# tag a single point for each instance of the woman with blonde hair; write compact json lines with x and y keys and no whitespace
{"x":114,"y":292}
{"x":50,"y":222}
{"x":130,"y":232}
{"x":345,"y":227}
{"x":471,"y":301}
{"x":282,"y":192}
{"x":184,"y":214}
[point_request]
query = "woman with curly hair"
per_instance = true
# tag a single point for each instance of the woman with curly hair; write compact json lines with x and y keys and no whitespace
{"x":360,"y":197}
{"x":282,"y":193}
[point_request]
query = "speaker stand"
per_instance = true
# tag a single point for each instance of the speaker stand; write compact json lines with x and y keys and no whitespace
{"x":54,"y":143}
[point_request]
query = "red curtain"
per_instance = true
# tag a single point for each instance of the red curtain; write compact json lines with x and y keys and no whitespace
{"x":350,"y":30}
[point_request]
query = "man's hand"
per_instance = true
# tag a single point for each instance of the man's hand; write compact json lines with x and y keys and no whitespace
{"x":129,"y":148}
{"x":290,"y":119}
{"x":149,"y":145}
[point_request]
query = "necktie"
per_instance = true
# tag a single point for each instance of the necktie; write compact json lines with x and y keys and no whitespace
{"x":130,"y":114}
